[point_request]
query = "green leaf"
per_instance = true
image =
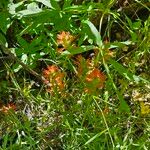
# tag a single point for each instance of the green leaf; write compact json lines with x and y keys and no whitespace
{"x":36,"y":42}
{"x":137,"y":25}
{"x":4,"y":4}
{"x":95,"y":136}
{"x":23,"y":43}
{"x":125,"y":72}
{"x":118,"y":44}
{"x":45,"y":2}
{"x":129,"y":21}
{"x":24,"y":59}
{"x":94,"y":31}
{"x":77,"y":50}
{"x":122,"y":70}
{"x":123,"y":104}
{"x":12,"y":7}
{"x":2,"y":38}
{"x":32,"y":8}
{"x":67,"y":3}
{"x":4,"y":21}
{"x":55,"y":4}
{"x":76,"y":8}
{"x":39,"y":19}
{"x":62,"y":21}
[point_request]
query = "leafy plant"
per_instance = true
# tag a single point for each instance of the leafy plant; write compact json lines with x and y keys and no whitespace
{"x":74,"y":74}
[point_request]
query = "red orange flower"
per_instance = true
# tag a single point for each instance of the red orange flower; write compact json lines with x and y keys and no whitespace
{"x":96,"y":74}
{"x":50,"y":70}
{"x":94,"y":80}
{"x":54,"y":76}
{"x":83,"y":65}
{"x":64,"y":40}
{"x":92,"y":77}
{"x":8,"y":107}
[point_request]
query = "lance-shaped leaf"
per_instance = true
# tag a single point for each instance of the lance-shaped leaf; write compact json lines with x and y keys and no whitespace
{"x":77,"y":50}
{"x":94,"y":31}
{"x":125,"y":72}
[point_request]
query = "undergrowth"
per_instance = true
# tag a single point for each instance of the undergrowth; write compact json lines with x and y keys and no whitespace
{"x":74,"y":75}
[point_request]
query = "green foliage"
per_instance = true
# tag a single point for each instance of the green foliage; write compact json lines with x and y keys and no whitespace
{"x":74,"y":75}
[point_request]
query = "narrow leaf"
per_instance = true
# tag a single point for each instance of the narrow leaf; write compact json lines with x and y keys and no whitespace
{"x":95,"y":136}
{"x":78,"y":50}
{"x":94,"y":32}
{"x":124,"y":72}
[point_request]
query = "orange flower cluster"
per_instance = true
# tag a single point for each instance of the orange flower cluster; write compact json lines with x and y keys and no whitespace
{"x":54,"y":76}
{"x":64,"y":40}
{"x":8,"y":107}
{"x":96,"y":74}
{"x":86,"y":70}
{"x":94,"y":79}
{"x":83,"y":65}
